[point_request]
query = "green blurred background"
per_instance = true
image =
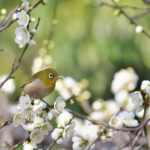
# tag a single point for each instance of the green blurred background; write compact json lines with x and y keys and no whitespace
{"x":89,"y":43}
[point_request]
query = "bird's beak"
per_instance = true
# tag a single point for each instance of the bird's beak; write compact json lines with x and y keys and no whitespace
{"x":59,"y":77}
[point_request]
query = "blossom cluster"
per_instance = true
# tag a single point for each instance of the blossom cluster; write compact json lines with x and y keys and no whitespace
{"x":32,"y":118}
{"x":35,"y":117}
{"x":123,"y":83}
{"x":22,"y":33}
{"x":69,"y":86}
{"x":136,"y":99}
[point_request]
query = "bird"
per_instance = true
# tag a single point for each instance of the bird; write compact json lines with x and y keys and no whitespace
{"x":41,"y":84}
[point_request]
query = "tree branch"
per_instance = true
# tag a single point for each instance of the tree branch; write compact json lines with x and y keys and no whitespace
{"x":117,"y":6}
{"x":10,"y":14}
{"x":17,"y":63}
{"x":2,"y":27}
{"x":141,"y":15}
{"x":120,"y":8}
{"x":6,"y":123}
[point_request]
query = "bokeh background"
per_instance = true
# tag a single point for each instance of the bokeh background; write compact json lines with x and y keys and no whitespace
{"x":88,"y":43}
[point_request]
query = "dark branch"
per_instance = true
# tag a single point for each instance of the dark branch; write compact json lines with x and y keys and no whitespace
{"x":9,"y":15}
{"x":17,"y":63}
{"x":6,"y":123}
{"x":3,"y":27}
{"x":117,"y":6}
{"x":120,"y":8}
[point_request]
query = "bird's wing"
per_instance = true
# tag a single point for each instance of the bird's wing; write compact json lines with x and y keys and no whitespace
{"x":30,"y":80}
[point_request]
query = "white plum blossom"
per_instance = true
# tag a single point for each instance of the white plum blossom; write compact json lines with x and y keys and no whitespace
{"x":36,"y":136}
{"x":123,"y":118}
{"x":19,"y":119}
{"x":97,"y":105}
{"x":64,"y":118}
{"x":59,"y":104}
{"x":106,"y":135}
{"x":23,"y":18}
{"x":67,"y":87}
{"x":25,"y":5}
{"x":127,"y":119}
{"x":85,"y":128}
{"x":34,"y":120}
{"x":38,"y":106}
{"x":65,"y":127}
{"x":22,"y":36}
{"x":123,"y":100}
{"x":80,"y":143}
{"x":125,"y":79}
{"x":145,"y":87}
{"x":45,"y":128}
{"x":97,"y":115}
{"x":69,"y":130}
{"x":77,"y":143}
{"x":104,"y":109}
{"x":29,"y":113}
{"x":38,"y":121}
{"x":111,"y":107}
{"x":57,"y":133}
{"x":52,"y":113}
{"x":29,"y":146}
{"x":137,"y":100}
{"x":29,"y":127}
{"x":115,"y":122}
{"x":24,"y":100}
{"x":139,"y":114}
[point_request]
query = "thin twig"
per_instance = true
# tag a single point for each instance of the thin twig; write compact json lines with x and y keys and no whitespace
{"x":12,"y":21}
{"x":143,"y":118}
{"x":10,"y":14}
{"x":16,"y":64}
{"x":141,"y":15}
{"x":116,"y":6}
{"x":102,"y":123}
{"x":134,"y":23}
{"x":17,"y":145}
{"x":8,"y":25}
{"x":35,"y":5}
{"x":8,"y":122}
{"x":111,"y":127}
{"x":52,"y":144}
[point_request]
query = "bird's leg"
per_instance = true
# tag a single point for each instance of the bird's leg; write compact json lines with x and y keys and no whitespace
{"x":47,"y":105}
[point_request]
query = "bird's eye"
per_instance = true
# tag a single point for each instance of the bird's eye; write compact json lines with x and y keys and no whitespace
{"x":51,"y":76}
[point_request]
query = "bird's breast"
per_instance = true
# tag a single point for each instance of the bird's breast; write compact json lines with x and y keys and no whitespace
{"x":36,"y":89}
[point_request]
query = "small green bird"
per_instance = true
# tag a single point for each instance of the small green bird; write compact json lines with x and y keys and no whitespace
{"x":41,"y":83}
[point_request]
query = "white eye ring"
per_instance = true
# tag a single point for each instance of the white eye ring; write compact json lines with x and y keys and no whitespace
{"x":51,"y":76}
